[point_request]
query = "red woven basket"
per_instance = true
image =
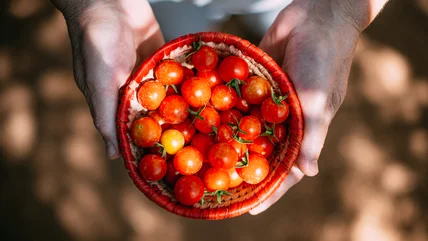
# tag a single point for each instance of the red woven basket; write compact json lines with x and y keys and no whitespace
{"x":244,"y":197}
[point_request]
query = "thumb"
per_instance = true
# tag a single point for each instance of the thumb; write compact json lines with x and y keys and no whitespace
{"x":315,"y":130}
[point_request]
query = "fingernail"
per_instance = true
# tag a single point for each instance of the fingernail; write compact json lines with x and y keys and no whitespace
{"x":111,"y":151}
{"x":313,"y":166}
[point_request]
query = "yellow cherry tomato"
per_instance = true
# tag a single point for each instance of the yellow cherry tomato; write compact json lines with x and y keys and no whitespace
{"x":172,"y":140}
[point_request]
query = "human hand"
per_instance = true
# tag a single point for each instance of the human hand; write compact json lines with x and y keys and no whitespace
{"x":314,"y":41}
{"x":108,"y":39}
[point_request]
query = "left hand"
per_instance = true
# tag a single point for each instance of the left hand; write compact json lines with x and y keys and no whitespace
{"x":316,"y":51}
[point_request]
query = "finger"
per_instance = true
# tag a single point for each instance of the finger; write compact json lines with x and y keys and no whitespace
{"x":294,"y":177}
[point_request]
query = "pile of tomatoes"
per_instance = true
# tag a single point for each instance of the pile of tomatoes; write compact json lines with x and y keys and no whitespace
{"x":208,"y":128}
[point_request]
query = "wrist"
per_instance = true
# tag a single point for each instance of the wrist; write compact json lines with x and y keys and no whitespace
{"x":341,"y":13}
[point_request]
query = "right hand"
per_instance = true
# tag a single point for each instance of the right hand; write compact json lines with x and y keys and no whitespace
{"x":108,"y":39}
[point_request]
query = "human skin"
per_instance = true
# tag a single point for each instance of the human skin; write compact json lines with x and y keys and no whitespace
{"x":313,"y":40}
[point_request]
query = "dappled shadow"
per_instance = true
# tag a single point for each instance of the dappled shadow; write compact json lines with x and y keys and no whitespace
{"x":56,"y":183}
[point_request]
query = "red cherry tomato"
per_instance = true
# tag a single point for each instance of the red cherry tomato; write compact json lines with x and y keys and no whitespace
{"x":174,"y":109}
{"x":279,"y":134}
{"x":262,"y":145}
{"x":256,"y":89}
{"x":212,"y":77}
{"x":256,"y":112}
{"x":223,"y":155}
{"x":171,"y":175}
{"x":188,"y":160}
{"x":240,"y":148}
{"x":256,"y":171}
{"x":203,"y":170}
{"x":230,"y":117}
{"x":169,"y":72}
{"x":251,"y":128}
{"x":223,"y":98}
{"x":235,"y":179}
{"x":145,"y":132}
{"x":273,"y":112}
{"x":242,"y":105}
{"x":233,"y":67}
{"x":186,"y":128}
{"x":203,"y":142}
{"x":150,"y":94}
{"x":189,"y":190}
{"x":188,"y":73}
{"x":152,"y":167}
{"x":210,"y":118}
{"x":196,"y":91}
{"x":216,"y":179}
{"x":224,"y":133}
{"x":155,"y":114}
{"x":205,"y":58}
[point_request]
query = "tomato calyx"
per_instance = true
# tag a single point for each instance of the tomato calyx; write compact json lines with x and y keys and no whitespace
{"x":196,"y":46}
{"x":234,"y":83}
{"x":236,"y":130}
{"x":162,"y":150}
{"x":197,"y":114}
{"x":218,"y":193}
{"x":173,"y":87}
{"x":278,"y":99}
{"x":244,"y":160}
{"x":270,"y":132}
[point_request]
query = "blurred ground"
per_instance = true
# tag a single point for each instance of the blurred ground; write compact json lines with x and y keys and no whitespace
{"x":56,"y":184}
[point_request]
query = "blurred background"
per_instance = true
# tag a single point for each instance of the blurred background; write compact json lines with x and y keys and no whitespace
{"x":57,"y":184}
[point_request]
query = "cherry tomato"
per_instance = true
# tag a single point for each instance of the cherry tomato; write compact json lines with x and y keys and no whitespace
{"x":203,"y":142}
{"x":169,"y":72}
{"x":251,"y":126}
{"x":150,"y":94}
{"x":273,"y":112}
{"x":212,"y":77}
{"x":262,"y":145}
{"x":172,"y":141}
{"x":256,"y":89}
{"x":279,"y":134}
{"x":223,"y":155}
{"x":171,"y":175}
{"x":256,"y":171}
{"x":174,"y":109}
{"x":188,"y":73}
{"x":205,"y":58}
{"x":242,"y":105}
{"x":230,"y":117}
{"x":189,"y":190}
{"x":158,"y":150}
{"x":235,"y":179}
{"x":216,"y":179}
{"x":146,"y":131}
{"x":203,"y":170}
{"x":155,"y":114}
{"x":233,"y":67}
{"x":256,"y":112}
{"x":240,"y":148}
{"x":187,"y":129}
{"x":196,"y":91}
{"x":152,"y":167}
{"x":223,"y":98}
{"x":224,"y":133}
{"x":210,"y":118}
{"x":188,"y":160}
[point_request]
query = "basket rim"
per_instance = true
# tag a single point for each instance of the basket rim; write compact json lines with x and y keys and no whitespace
{"x":283,"y":168}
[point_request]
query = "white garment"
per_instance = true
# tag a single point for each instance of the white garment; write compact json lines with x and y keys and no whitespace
{"x":179,"y":17}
